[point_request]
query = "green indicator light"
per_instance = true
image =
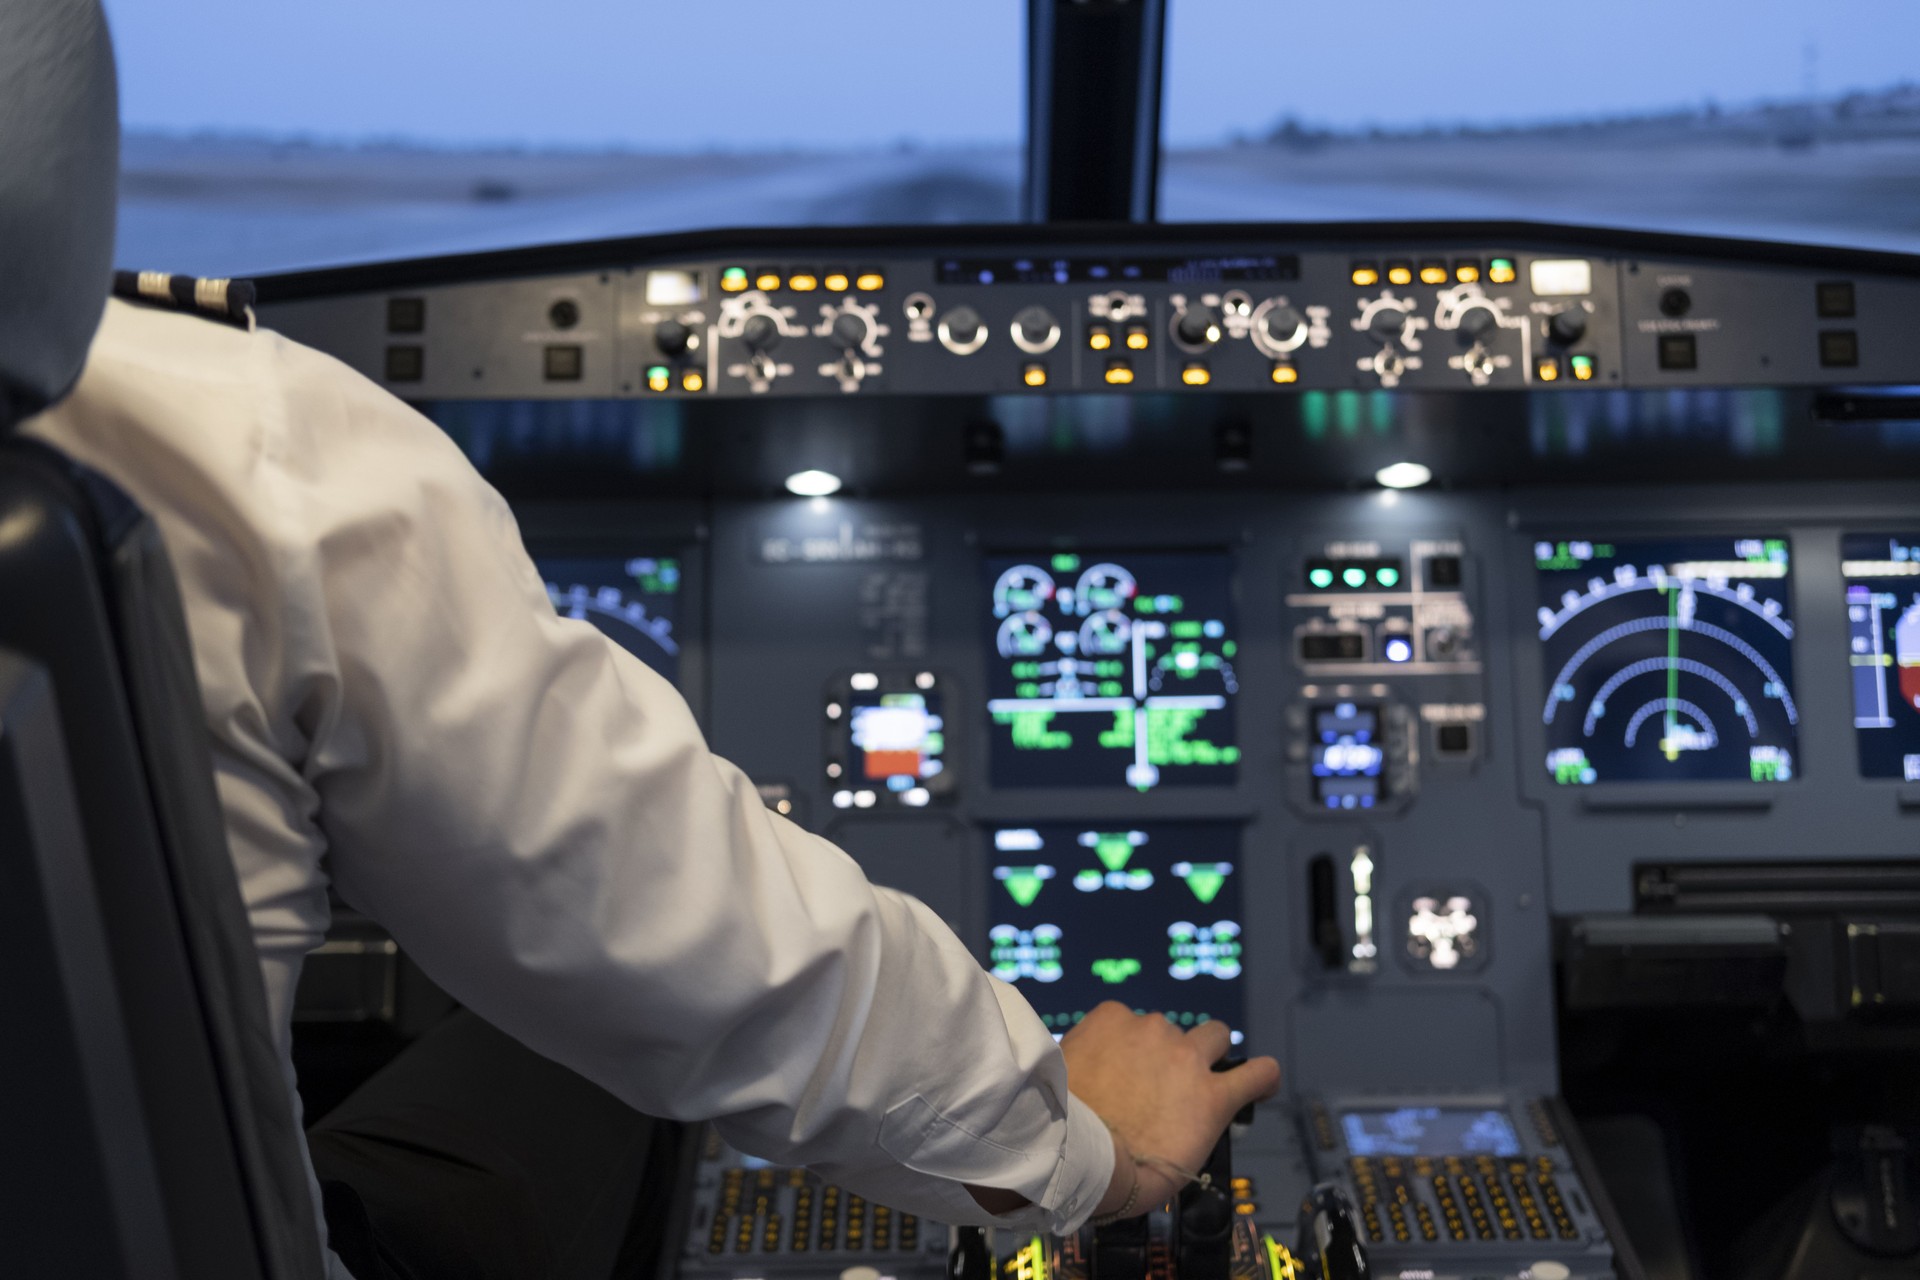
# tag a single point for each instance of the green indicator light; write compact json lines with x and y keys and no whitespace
{"x":1322,"y":578}
{"x":1354,"y":576}
{"x":1065,"y":563}
{"x":734,"y":273}
{"x":1387,"y":576}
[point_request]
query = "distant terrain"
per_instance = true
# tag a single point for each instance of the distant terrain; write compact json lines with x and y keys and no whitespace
{"x":1844,"y":170}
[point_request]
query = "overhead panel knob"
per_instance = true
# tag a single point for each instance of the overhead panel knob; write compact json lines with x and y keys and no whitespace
{"x":761,"y":333}
{"x":849,"y":331}
{"x":1198,"y":326}
{"x":1035,"y":331}
{"x":672,"y":338}
{"x":1285,"y":326}
{"x":1387,"y":324}
{"x":962,"y":331}
{"x":1567,"y":327}
{"x":1475,"y":322}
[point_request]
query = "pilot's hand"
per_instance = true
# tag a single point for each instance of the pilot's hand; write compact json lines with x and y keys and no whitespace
{"x":1155,"y":1086}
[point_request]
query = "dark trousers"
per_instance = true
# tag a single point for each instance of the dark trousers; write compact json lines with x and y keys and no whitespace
{"x":470,"y":1156}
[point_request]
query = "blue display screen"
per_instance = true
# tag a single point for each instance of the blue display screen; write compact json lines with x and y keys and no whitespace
{"x":1430,"y":1131}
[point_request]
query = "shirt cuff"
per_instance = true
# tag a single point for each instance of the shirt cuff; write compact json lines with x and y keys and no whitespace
{"x":1086,"y":1170}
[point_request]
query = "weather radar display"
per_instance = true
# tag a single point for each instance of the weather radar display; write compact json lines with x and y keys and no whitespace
{"x":1882,"y":573}
{"x":1147,"y":915}
{"x":1112,"y":670}
{"x":630,"y":598}
{"x":1667,"y":660}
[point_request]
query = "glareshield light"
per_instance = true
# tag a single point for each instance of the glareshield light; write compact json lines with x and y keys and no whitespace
{"x":1403,"y":475}
{"x":813,"y":484}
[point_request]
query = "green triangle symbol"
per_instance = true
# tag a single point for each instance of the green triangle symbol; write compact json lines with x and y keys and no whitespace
{"x":1206,"y":882}
{"x":1024,"y":883}
{"x":1114,"y":851}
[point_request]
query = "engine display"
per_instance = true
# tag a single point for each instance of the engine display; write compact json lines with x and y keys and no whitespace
{"x":1148,"y":916}
{"x":1112,"y":670}
{"x":631,"y":599}
{"x":1667,"y":660}
{"x":1882,"y":573}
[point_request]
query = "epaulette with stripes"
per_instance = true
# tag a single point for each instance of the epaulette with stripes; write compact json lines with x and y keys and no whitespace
{"x":228,"y":301}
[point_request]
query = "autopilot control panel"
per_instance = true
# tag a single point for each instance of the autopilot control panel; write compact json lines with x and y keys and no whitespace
{"x":1110,"y":652}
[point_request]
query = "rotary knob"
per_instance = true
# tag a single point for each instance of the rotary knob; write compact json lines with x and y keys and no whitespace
{"x":849,"y":331}
{"x":962,"y":331}
{"x":1476,"y":322}
{"x":1035,"y":330}
{"x":761,"y":332}
{"x":1567,"y":327}
{"x":1387,"y":324}
{"x":672,"y":338}
{"x":1285,"y":326}
{"x":1198,"y":326}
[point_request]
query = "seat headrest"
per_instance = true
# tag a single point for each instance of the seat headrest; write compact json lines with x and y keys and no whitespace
{"x":59,"y":168}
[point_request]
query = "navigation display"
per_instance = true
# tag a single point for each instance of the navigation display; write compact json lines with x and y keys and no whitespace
{"x":1430,"y":1131}
{"x":1147,"y":915}
{"x":632,"y":599}
{"x":1667,"y":660}
{"x":1112,"y":670}
{"x":1882,"y":573}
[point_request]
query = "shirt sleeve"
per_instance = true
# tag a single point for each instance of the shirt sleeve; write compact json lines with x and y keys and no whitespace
{"x":535,"y":815}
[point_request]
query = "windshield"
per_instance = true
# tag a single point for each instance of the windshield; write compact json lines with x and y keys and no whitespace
{"x":262,"y":137}
{"x":1778,"y":119}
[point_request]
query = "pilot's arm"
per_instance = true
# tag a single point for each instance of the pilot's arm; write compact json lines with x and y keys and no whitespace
{"x":532,"y":811}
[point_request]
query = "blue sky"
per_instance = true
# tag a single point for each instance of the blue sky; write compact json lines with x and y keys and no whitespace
{"x":757,"y":73}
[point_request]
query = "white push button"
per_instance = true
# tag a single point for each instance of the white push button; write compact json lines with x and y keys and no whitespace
{"x":869,"y":1273}
{"x":1538,"y":1271}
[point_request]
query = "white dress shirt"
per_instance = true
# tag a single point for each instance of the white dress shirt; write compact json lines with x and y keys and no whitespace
{"x":395,"y":708}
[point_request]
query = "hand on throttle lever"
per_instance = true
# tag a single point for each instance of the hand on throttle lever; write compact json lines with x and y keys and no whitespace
{"x":1155,"y":1086}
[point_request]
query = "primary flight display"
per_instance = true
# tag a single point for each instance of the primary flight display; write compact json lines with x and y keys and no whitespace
{"x":1667,"y":659}
{"x":1882,"y":573}
{"x":1112,"y":669}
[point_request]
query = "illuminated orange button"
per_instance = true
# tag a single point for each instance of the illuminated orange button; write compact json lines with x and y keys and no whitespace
{"x":1466,"y":272}
{"x":1284,"y":373}
{"x":803,"y":282}
{"x":1196,"y":375}
{"x":1034,"y":375}
{"x":1136,"y":339}
{"x":766,"y":280}
{"x":1433,"y":273}
{"x":1119,"y":373}
{"x":1099,"y":338}
{"x":1399,"y":273}
{"x":871,"y":282}
{"x":836,"y":282}
{"x":692,"y":380}
{"x":1365,"y":274}
{"x":1548,"y":369}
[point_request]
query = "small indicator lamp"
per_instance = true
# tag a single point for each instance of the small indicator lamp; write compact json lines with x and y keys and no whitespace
{"x":813,"y":484}
{"x":871,"y":282}
{"x":1196,"y":375}
{"x":1099,"y":338}
{"x":1547,"y":369}
{"x":1433,"y":273}
{"x":1034,"y":375}
{"x":733,"y":280}
{"x":1354,"y":576}
{"x":1466,"y":272}
{"x":659,"y":378}
{"x":836,"y":282}
{"x":1398,"y":649}
{"x":1387,"y":576}
{"x":1284,"y":373}
{"x":1137,"y":339}
{"x":1119,"y":373}
{"x":1403,"y":475}
{"x":1399,"y":273}
{"x":1321,"y":577}
{"x":1365,"y":274}
{"x":1582,"y":367}
{"x":693,"y":380}
{"x":766,"y":280}
{"x":803,"y":282}
{"x":1502,"y":271}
